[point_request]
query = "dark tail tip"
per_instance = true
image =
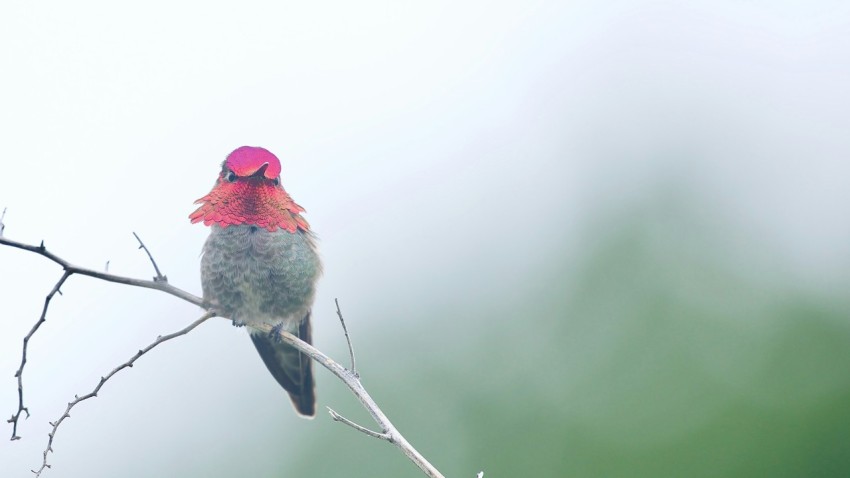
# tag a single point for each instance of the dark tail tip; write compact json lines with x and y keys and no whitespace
{"x":292,"y":369}
{"x":305,"y":402}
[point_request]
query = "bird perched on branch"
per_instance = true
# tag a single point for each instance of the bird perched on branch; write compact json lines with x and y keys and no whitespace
{"x":260,"y":264}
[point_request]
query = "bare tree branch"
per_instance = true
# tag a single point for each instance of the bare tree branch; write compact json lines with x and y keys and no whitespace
{"x":349,"y":377}
{"x":20,"y":373}
{"x":159,"y":277}
{"x":103,"y":380}
{"x":347,"y":339}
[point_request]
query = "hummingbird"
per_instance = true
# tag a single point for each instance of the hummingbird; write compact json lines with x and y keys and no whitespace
{"x":260,"y":265}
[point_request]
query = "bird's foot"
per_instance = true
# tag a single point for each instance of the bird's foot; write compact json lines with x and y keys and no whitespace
{"x":238,"y":323}
{"x":275,"y":333}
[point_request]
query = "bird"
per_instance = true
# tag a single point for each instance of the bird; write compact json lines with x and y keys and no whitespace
{"x":260,"y":265}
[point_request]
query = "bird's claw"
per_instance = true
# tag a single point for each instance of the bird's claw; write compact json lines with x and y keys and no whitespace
{"x":238,"y":323}
{"x":275,"y":333}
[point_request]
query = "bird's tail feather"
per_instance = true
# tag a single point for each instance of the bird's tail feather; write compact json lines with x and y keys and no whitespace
{"x":292,"y":369}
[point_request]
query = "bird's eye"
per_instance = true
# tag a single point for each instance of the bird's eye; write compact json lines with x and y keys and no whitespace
{"x":276,"y":181}
{"x":230,"y":177}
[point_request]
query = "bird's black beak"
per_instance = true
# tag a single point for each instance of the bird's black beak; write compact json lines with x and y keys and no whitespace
{"x":262,"y":171}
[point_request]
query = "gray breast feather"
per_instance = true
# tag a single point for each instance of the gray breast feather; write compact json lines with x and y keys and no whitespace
{"x":253,"y":276}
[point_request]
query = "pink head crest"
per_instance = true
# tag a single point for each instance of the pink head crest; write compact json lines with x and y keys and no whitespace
{"x":247,"y":160}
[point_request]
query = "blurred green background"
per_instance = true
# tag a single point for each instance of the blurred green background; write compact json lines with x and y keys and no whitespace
{"x":664,"y":348}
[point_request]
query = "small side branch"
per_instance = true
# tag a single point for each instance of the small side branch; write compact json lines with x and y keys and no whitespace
{"x":103,"y":380}
{"x":19,"y":374}
{"x":347,"y":339}
{"x":339,"y":418}
{"x":2,"y":226}
{"x":159,"y":277}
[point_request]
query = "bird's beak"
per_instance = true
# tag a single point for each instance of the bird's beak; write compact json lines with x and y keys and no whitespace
{"x":258,"y":172}
{"x":262,"y":170}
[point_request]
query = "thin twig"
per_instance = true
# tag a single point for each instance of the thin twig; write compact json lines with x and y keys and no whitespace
{"x":159,"y":277}
{"x":103,"y":380}
{"x":339,"y":418}
{"x":347,"y":339}
{"x":2,"y":226}
{"x":20,"y":372}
